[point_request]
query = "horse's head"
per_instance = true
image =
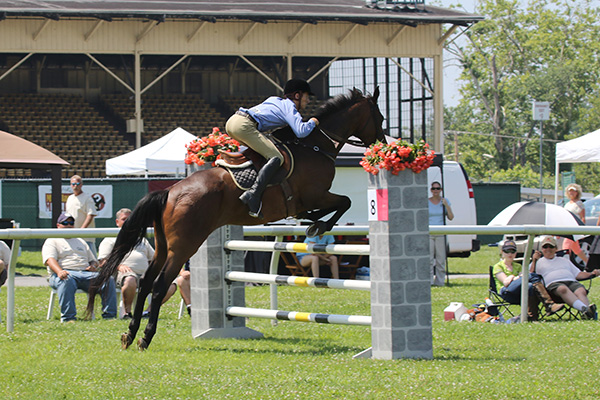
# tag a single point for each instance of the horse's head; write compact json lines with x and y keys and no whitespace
{"x":352,"y":115}
{"x":370,"y":134}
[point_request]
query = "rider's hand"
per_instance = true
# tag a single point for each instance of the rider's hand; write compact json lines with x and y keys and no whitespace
{"x":316,"y":121}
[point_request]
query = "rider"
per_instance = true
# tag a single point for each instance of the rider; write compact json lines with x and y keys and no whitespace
{"x":247,"y":125}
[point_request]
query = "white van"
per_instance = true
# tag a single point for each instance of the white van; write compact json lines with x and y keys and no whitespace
{"x":352,"y":181}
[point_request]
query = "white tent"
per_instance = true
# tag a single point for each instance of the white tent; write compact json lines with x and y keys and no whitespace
{"x":164,"y":156}
{"x":585,"y":148}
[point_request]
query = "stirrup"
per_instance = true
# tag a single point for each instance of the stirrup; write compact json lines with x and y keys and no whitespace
{"x":256,"y":214}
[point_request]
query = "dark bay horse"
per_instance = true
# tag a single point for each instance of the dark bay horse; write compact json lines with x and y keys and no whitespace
{"x":184,"y":215}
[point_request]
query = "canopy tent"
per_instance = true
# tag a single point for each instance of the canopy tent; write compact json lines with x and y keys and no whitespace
{"x":164,"y":156}
{"x":585,"y":148}
{"x":20,"y":153}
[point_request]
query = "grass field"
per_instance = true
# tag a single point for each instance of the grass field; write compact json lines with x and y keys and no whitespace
{"x":47,"y":359}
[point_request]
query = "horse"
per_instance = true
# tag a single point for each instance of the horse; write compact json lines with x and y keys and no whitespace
{"x":185,"y":214}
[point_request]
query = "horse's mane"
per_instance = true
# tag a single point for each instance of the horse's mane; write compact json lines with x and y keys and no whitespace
{"x":337,"y":103}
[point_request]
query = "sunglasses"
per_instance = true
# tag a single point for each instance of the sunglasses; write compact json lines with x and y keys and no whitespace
{"x":436,"y":188}
{"x":510,"y":251}
{"x":548,"y":246}
{"x":67,"y":222}
{"x":75,"y":183}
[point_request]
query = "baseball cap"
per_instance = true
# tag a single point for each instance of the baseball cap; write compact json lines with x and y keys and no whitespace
{"x":63,"y":217}
{"x":548,"y":240}
{"x":297,"y":85}
{"x":509,"y":245}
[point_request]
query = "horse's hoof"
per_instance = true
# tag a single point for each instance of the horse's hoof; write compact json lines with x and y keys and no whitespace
{"x":316,"y":229}
{"x":126,"y":341}
{"x":142,"y":345}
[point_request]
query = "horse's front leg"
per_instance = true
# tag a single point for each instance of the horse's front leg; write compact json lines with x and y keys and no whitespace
{"x":329,"y":203}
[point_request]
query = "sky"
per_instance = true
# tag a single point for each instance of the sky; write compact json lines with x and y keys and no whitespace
{"x":451,"y":71}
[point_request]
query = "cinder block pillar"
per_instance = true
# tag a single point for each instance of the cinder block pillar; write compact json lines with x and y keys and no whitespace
{"x":211,"y":295}
{"x":400,"y":276}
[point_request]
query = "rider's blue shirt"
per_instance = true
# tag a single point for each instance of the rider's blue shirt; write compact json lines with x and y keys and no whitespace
{"x":276,"y":112}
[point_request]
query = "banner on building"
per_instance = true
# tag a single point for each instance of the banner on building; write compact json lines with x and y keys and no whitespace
{"x":102,"y":196}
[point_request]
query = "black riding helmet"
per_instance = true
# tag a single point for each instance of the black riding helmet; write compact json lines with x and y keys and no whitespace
{"x":297,"y":85}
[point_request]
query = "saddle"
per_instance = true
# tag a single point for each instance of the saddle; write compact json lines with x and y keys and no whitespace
{"x":244,"y":166}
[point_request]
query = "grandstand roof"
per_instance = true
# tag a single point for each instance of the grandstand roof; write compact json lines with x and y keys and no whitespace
{"x":312,"y":11}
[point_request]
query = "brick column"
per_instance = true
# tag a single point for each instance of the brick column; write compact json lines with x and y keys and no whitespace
{"x":400,"y":276}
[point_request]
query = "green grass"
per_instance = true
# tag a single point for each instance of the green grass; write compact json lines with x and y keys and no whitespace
{"x":47,"y":359}
{"x":477,"y":263}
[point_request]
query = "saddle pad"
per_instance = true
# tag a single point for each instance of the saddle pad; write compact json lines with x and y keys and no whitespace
{"x":243,"y":177}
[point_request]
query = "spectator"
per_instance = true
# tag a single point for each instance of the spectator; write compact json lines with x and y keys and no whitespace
{"x":132,"y":267}
{"x":4,"y":261}
{"x":81,"y":206}
{"x":183,"y":281}
{"x":561,"y":276}
{"x":508,"y":281}
{"x":439,"y":208}
{"x":72,"y":266}
{"x":575,"y":205}
{"x":315,"y":260}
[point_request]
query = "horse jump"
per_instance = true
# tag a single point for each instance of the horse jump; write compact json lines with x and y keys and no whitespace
{"x":400,"y":279}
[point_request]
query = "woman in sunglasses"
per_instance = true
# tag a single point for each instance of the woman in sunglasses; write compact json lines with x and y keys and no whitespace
{"x":508,"y":283}
{"x":439,"y":207}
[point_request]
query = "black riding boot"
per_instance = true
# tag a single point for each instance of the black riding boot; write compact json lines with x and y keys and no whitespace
{"x":253,"y":196}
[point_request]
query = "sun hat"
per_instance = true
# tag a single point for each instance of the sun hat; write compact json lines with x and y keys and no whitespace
{"x":63,"y":217}
{"x":509,"y":245}
{"x":548,"y":240}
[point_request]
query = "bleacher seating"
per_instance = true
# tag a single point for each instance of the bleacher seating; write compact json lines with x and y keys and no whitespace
{"x":85,"y":136}
{"x":164,"y":113}
{"x":66,"y":125}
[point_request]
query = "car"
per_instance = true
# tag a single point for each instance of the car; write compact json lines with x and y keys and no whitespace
{"x":351,"y":180}
{"x":592,"y":211}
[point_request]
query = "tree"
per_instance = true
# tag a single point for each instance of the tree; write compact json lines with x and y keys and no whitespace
{"x":545,"y":51}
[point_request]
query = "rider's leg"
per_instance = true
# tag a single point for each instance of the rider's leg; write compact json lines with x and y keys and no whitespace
{"x":253,"y":196}
{"x":243,"y":130}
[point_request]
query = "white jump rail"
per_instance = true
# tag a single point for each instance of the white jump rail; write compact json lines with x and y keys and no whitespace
{"x":351,"y":249}
{"x":301,"y":281}
{"x":364,"y":320}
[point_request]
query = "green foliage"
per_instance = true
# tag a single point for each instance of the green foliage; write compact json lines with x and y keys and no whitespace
{"x":542,"y":50}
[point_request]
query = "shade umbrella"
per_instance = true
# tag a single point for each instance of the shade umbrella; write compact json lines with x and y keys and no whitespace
{"x":536,"y":213}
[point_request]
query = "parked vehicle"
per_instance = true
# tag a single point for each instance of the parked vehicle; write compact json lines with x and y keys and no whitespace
{"x":352,"y":181}
{"x":592,"y":211}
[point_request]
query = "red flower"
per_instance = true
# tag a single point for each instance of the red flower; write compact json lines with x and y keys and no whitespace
{"x":206,"y":148}
{"x":397,"y":156}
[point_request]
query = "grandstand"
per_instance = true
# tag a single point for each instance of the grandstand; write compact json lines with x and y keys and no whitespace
{"x":73,"y":73}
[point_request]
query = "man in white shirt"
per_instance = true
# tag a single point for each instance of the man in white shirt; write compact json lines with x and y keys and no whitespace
{"x":72,"y":266}
{"x":81,"y":206}
{"x":561,"y":276}
{"x":4,"y":261}
{"x":132,"y":267}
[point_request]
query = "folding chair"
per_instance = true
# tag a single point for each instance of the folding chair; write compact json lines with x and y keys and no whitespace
{"x":494,"y":296}
{"x":293,"y":265}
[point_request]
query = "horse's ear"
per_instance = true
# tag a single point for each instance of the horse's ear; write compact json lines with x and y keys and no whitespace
{"x":376,"y":94}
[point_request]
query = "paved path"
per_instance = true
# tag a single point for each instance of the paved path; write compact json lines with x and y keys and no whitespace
{"x":30,"y":281}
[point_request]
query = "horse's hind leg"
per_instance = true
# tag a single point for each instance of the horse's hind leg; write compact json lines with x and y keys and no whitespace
{"x":143,"y":292}
{"x":161,"y":285}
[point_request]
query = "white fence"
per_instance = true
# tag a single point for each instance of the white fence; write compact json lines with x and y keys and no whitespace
{"x":279,"y":231}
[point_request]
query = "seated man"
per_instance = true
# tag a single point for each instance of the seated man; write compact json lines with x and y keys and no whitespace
{"x":72,"y":266}
{"x":132,"y":267}
{"x":4,"y":260}
{"x":314,"y":260}
{"x":561,"y":276}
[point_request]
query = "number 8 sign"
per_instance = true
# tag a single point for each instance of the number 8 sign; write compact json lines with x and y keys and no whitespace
{"x":378,"y":204}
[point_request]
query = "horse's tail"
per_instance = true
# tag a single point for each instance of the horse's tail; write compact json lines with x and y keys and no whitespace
{"x":147,"y":212}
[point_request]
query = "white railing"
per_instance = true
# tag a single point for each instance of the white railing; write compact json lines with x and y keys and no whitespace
{"x":279,"y":231}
